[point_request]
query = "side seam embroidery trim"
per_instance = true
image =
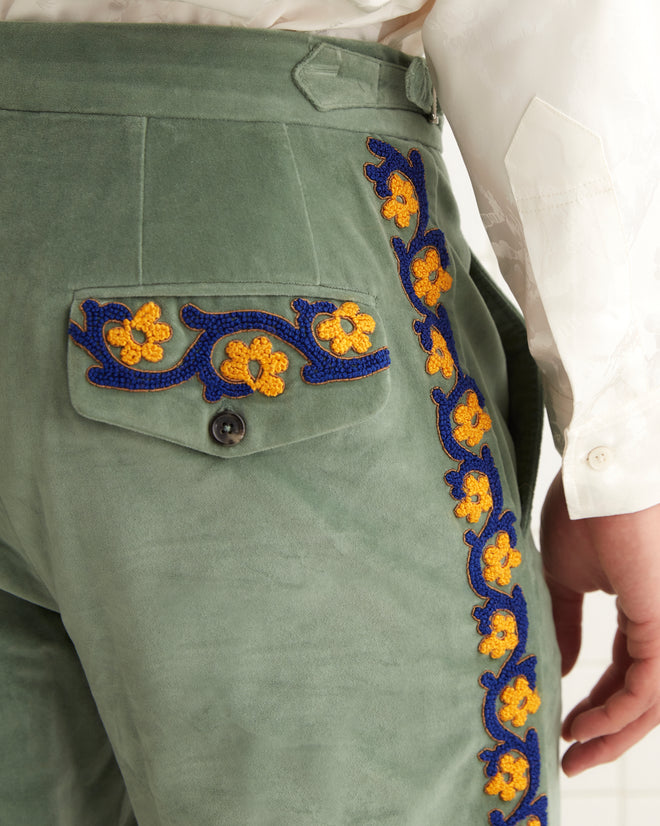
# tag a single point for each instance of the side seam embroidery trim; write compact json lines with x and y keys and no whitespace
{"x":513,"y":765}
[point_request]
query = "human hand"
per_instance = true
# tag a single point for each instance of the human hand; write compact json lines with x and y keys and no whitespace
{"x":619,"y":555}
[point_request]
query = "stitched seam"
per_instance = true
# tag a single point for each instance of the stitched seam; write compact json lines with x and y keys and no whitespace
{"x":304,"y":202}
{"x":265,"y":121}
{"x":142,"y":185}
{"x":567,"y":190}
{"x":548,"y":207}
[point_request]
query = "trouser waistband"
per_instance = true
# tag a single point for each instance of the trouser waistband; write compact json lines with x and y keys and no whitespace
{"x":208,"y":72}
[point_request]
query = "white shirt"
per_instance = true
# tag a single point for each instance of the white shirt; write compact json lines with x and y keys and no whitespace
{"x":556,"y":109}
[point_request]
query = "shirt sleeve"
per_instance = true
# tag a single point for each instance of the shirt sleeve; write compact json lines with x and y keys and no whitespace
{"x":556,"y":110}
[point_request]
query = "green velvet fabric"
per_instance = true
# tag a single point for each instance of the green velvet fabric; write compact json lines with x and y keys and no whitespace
{"x":281,"y":632}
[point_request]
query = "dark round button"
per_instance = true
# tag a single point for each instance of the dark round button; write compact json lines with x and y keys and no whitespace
{"x":227,"y":428}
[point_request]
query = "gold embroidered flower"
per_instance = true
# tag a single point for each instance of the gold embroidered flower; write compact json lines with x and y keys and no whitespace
{"x":425,"y":287}
{"x":472,"y":420}
{"x":499,"y":559}
{"x":519,"y":701}
{"x":478,"y":498}
{"x":237,"y":366}
{"x":402,"y":204}
{"x":145,"y":321}
{"x":511,"y":778}
{"x":533,"y":821}
{"x":440,"y":358}
{"x":342,"y":341}
{"x":503,"y":636}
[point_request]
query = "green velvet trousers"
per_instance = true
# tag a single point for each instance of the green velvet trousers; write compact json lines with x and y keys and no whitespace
{"x":268,"y":441}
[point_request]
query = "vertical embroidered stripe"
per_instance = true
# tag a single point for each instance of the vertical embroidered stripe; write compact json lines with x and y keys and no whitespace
{"x":512,"y":766}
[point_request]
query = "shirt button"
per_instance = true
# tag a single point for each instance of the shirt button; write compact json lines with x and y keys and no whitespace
{"x":599,"y":458}
{"x":227,"y":428}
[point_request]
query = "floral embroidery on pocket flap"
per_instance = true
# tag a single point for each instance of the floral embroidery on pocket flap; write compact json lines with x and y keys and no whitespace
{"x":292,"y":365}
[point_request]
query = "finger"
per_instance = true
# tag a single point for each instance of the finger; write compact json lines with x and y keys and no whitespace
{"x":582,"y":756}
{"x":638,"y":694}
{"x":610,"y":682}
{"x":642,"y":639}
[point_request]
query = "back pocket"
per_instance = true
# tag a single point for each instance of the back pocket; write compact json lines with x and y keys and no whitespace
{"x":288,"y":361}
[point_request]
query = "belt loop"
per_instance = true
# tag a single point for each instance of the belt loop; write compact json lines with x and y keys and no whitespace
{"x":419,"y":88}
{"x":331,"y":77}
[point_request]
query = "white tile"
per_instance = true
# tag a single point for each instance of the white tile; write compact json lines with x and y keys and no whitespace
{"x":595,"y":810}
{"x":641,"y":766}
{"x":642,"y":810}
{"x":608,"y":778}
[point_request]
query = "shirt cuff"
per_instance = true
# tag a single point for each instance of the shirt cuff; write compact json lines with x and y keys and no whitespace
{"x":612,"y":465}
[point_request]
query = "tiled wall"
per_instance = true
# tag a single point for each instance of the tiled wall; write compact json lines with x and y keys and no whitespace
{"x":627,"y":792}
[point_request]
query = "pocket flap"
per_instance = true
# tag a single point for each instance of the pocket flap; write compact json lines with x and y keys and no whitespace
{"x":290,"y":363}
